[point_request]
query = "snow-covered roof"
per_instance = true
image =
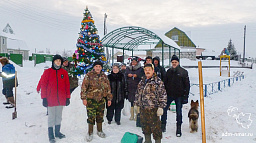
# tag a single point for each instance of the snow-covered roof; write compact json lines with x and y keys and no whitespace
{"x":133,"y":37}
{"x":16,"y":44}
{"x":210,"y":53}
{"x":7,"y":31}
{"x":13,"y":42}
{"x":187,"y":50}
{"x":166,"y":39}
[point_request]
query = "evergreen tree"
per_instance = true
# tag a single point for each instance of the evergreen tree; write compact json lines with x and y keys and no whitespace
{"x":89,"y":47}
{"x":232,"y":50}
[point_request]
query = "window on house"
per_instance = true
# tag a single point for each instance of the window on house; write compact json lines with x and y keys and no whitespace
{"x":175,"y":38}
{"x":3,"y":41}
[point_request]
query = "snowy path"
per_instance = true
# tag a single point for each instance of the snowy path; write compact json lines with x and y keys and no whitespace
{"x":31,"y":124}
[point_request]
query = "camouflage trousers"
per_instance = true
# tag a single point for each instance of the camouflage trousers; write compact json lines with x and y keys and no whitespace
{"x":95,"y":111}
{"x":150,"y":123}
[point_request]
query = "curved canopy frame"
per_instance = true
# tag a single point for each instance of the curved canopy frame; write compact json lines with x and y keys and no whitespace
{"x":130,"y":37}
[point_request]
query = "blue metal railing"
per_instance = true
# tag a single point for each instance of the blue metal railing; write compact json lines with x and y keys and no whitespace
{"x":215,"y":87}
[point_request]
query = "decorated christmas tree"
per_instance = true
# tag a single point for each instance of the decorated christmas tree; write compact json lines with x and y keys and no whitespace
{"x":89,"y":47}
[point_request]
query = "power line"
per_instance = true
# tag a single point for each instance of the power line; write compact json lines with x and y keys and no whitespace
{"x":46,"y":22}
{"x":15,"y":10}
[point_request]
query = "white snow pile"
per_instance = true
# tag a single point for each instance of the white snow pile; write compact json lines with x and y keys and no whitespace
{"x":230,"y":115}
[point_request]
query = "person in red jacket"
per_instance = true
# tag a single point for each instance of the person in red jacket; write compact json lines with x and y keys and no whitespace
{"x":55,"y":92}
{"x":38,"y":88}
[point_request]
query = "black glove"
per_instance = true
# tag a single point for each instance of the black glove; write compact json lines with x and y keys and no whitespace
{"x":67,"y":101}
{"x":185,"y":99}
{"x":45,"y":103}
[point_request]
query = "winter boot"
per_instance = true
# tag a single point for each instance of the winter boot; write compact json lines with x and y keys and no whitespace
{"x":10,"y":106}
{"x":158,"y":141}
{"x":148,"y":138}
{"x":163,"y":127}
{"x":89,"y":136}
{"x":58,"y":134}
{"x":132,"y":113}
{"x":100,"y":133}
{"x":137,"y":111}
{"x":7,"y":102}
{"x":11,"y":100}
{"x":51,"y":135}
{"x":178,"y":131}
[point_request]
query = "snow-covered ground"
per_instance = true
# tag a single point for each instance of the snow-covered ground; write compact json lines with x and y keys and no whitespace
{"x":222,"y":126}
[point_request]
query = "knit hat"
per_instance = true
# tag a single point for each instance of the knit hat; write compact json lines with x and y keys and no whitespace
{"x":65,"y":59}
{"x":123,"y":64}
{"x":116,"y":64}
{"x":98,"y":63}
{"x":57,"y":57}
{"x":135,"y":59}
{"x":174,"y":57}
{"x":149,"y":65}
{"x":4,"y":60}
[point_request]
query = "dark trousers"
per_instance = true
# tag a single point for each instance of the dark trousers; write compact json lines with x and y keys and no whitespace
{"x":8,"y":92}
{"x":178,"y":102}
{"x":132,"y":104}
{"x":116,"y":109}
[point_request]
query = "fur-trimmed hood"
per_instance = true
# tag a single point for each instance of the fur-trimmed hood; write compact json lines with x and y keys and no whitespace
{"x":134,"y":68}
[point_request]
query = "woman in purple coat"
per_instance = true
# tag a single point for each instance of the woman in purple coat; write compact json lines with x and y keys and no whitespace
{"x":134,"y":72}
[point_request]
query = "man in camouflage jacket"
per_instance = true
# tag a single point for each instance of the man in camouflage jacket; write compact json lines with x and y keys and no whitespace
{"x":73,"y":80}
{"x":95,"y":89}
{"x":151,"y":97}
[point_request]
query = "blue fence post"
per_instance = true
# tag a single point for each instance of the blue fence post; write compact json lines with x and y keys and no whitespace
{"x":212,"y":87}
{"x":219,"y":85}
{"x":229,"y":82}
{"x":205,"y":91}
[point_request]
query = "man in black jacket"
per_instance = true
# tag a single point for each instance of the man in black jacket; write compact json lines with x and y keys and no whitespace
{"x":177,"y":87}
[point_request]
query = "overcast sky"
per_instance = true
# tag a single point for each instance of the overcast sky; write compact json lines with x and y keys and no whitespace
{"x":54,"y":24}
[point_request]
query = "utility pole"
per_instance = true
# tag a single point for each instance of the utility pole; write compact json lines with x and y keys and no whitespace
{"x":105,"y":28}
{"x":105,"y":32}
{"x":244,"y":43}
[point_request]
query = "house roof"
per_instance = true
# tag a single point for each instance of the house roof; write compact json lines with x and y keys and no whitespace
{"x":131,"y":37}
{"x":13,"y":42}
{"x":182,"y":32}
{"x":16,"y":44}
{"x":210,"y":53}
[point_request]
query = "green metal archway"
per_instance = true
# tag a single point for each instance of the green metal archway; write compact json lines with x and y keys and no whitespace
{"x":129,"y":38}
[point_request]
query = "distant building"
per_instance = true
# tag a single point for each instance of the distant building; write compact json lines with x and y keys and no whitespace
{"x":10,"y":44}
{"x":188,"y":48}
{"x":208,"y":55}
{"x":199,"y":51}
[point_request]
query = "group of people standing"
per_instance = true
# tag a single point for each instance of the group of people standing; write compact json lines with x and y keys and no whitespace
{"x":149,"y":89}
